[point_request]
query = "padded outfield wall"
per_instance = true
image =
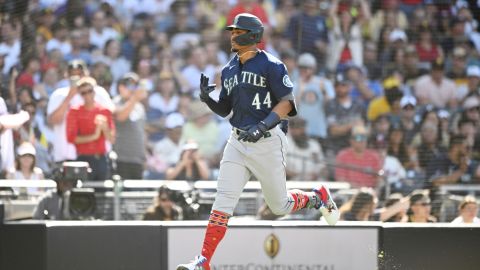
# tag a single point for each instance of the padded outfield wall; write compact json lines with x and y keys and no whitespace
{"x":248,"y":245}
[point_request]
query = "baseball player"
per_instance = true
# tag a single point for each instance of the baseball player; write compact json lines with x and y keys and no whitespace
{"x":256,"y":87}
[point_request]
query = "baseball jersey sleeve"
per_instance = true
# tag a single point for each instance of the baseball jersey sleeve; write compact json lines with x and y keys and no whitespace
{"x":279,"y":82}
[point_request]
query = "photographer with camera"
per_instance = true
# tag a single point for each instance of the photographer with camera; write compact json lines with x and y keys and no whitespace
{"x":164,"y":208}
{"x":55,"y":204}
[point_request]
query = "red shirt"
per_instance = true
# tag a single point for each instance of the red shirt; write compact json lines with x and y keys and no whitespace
{"x":25,"y":79}
{"x":81,"y":121}
{"x":411,"y":2}
{"x":425,"y":55}
{"x":256,"y":10}
{"x":368,"y":160}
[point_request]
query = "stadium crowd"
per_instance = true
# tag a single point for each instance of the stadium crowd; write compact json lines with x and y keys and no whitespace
{"x":388,"y":92}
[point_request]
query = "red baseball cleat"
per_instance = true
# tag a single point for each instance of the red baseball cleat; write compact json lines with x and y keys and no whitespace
{"x":327,"y":206}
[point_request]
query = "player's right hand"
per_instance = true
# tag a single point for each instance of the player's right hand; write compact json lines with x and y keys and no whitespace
{"x":205,"y":88}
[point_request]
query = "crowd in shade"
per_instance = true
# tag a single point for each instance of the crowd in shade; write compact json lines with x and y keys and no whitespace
{"x":388,"y":92}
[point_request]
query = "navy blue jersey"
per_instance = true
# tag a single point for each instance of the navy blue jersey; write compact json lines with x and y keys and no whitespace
{"x":254,"y":88}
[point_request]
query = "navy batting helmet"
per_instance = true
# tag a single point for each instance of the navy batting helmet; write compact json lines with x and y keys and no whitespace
{"x":252,"y":24}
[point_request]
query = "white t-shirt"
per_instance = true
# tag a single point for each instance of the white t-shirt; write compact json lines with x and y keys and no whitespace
{"x":13,"y":56}
{"x":168,"y":151}
{"x":6,"y":141}
{"x":304,"y":162}
{"x":54,"y":44}
{"x":192,"y":73}
{"x":156,"y":101}
{"x":459,"y":220}
{"x":62,"y":150}
{"x":99,"y":39}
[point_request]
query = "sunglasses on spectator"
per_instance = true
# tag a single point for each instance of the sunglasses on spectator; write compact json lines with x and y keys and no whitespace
{"x":408,"y":107}
{"x":164,"y":199}
{"x":424,"y":204}
{"x":75,"y":66}
{"x":359,"y":138}
{"x":84,"y":93}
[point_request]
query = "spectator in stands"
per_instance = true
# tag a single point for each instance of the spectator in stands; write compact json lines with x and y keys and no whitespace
{"x":164,"y":99}
{"x":135,"y":35}
{"x":389,"y":103}
{"x":370,"y":61}
{"x":48,"y":83}
{"x":469,"y":111}
{"x":458,"y":67}
{"x":101,"y":72}
{"x":163,"y":207}
{"x":4,"y":78}
{"x":468,"y":211}
{"x":88,"y":127}
{"x":393,"y":55}
{"x":10,"y":43}
{"x":343,"y":113}
{"x":467,"y":128}
{"x":130,"y":127}
{"x":435,"y":88}
{"x":398,"y":148}
{"x":411,"y":66}
{"x":60,"y":102}
{"x":8,"y":122}
{"x":118,"y":64}
{"x":197,"y":64}
{"x":389,"y":9}
{"x":100,"y":32}
{"x":78,"y":50}
{"x":307,"y":32}
{"x":191,"y":166}
{"x":305,"y":159}
{"x":429,"y":145}
{"x":378,"y":133}
{"x":357,"y":164}
{"x":27,"y":77}
{"x":346,"y":44}
{"x":25,"y":168}
{"x":202,"y":128}
{"x":166,"y":152}
{"x":363,"y":89}
{"x":393,"y":199}
{"x":427,"y":49}
{"x":362,"y":207}
{"x":407,"y":117}
{"x":60,"y":39}
{"x":472,"y":87}
{"x":420,"y":208}
{"x":184,"y":30}
{"x":455,"y":166}
{"x":312,"y":92}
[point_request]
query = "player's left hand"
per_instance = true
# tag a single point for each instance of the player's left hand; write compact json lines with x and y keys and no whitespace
{"x":254,"y":133}
{"x":205,"y":88}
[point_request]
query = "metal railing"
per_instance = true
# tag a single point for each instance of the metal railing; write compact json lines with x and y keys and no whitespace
{"x":124,"y":199}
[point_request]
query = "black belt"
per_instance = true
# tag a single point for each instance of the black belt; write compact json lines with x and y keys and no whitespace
{"x":238,"y":131}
